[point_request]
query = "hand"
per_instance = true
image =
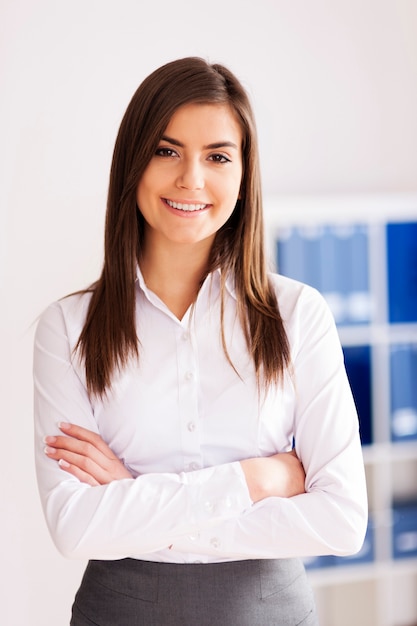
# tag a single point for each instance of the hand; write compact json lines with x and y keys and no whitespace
{"x":85,"y":455}
{"x":280,"y":475}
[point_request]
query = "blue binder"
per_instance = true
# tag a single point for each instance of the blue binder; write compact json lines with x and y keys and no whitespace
{"x":290,"y":254}
{"x":334,"y":260}
{"x":298,"y":254}
{"x":404,"y":530}
{"x":333,"y":272}
{"x":403,"y":362}
{"x":311,"y":238}
{"x":401,"y":239}
{"x":360,"y":301}
{"x":358,"y":368}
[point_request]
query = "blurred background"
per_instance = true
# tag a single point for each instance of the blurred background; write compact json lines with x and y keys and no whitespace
{"x":334,"y":88}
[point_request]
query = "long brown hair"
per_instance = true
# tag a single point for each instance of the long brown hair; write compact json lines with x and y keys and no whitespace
{"x":108,"y":339}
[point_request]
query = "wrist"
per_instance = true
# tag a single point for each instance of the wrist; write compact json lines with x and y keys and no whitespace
{"x":253,"y":470}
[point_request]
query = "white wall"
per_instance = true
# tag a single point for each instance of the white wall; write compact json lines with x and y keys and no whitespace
{"x":334,"y":84}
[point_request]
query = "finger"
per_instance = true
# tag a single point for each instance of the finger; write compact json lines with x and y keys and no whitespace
{"x":79,"y":447}
{"x":93,"y":448}
{"x":78,"y":473}
{"x":84,"y":465}
{"x":83,"y":434}
{"x":102,"y":469}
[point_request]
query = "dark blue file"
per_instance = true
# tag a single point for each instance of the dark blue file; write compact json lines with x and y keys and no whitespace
{"x":358,"y":368}
{"x":402,"y":271}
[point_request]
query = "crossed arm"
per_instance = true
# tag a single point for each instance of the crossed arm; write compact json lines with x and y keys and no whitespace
{"x":85,"y":455}
{"x":154,"y":510}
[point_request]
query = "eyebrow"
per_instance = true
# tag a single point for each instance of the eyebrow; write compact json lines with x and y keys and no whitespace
{"x":210,"y":146}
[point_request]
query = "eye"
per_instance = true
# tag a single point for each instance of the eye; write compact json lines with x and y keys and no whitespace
{"x":219,"y":158}
{"x":163,"y":151}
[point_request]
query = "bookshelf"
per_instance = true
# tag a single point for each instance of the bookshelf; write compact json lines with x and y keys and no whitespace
{"x":361,"y":253}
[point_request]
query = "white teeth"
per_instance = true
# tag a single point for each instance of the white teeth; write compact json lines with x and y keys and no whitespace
{"x":186,"y":207}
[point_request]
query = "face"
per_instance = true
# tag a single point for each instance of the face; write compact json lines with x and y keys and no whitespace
{"x":190,"y":187}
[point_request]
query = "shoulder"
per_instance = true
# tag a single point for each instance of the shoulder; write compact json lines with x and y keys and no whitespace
{"x":65,"y":316}
{"x":292,"y":294}
{"x":303,"y":309}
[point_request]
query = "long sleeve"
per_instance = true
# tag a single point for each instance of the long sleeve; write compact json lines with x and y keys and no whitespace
{"x":183,"y":418}
{"x":331,"y":517}
{"x":125,"y":517}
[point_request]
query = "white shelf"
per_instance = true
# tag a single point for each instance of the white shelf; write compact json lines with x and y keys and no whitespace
{"x":401,"y":451}
{"x":377,"y":334}
{"x":345,"y":574}
{"x":382,"y":592}
{"x":286,"y":210}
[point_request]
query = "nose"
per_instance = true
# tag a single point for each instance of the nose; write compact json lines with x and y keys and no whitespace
{"x":191,"y":175}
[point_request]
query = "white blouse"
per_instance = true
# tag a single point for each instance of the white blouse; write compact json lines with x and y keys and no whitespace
{"x":181,"y":419}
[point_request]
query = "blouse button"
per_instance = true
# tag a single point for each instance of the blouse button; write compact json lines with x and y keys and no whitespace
{"x":189,"y":376}
{"x":191,"y":426}
{"x":193,"y":466}
{"x":215,"y":542}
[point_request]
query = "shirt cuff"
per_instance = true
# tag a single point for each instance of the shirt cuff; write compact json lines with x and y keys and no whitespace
{"x":223,"y":491}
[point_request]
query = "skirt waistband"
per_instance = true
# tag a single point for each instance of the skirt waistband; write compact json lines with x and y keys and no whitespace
{"x":131,"y":592}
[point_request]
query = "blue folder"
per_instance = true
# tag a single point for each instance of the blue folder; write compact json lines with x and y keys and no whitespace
{"x":401,"y":240}
{"x":403,"y":376}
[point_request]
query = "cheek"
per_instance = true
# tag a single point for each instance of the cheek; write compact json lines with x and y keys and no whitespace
{"x":148,"y":183}
{"x":235,"y":189}
{"x":229,"y":186}
{"x":143,"y":193}
{"x":238,"y":180}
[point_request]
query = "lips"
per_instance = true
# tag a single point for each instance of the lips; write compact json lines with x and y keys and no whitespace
{"x":186,"y":207}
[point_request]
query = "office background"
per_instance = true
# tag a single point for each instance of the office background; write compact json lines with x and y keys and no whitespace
{"x":334,"y":87}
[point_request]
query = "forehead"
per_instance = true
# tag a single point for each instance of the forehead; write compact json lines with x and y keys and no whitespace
{"x":217,"y":122}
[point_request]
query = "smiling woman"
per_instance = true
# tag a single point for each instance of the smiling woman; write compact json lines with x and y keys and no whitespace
{"x":169,"y":393}
{"x":186,"y":194}
{"x":192,"y":175}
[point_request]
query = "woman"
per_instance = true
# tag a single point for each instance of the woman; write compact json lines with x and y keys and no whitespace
{"x":170,"y":393}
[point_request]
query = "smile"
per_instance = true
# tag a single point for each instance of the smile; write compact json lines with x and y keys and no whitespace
{"x":186,"y":207}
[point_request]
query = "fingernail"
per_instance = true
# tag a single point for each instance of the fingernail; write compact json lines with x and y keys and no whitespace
{"x":49,"y":439}
{"x":64,"y":425}
{"x":63,"y":463}
{"x":49,"y":450}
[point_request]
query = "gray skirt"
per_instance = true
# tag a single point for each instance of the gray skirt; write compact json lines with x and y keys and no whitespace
{"x":130,"y":592}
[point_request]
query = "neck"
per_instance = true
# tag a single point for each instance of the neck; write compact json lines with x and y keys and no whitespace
{"x":175,"y":273}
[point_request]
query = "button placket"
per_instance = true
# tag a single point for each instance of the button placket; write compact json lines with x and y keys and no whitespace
{"x":188,"y":400}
